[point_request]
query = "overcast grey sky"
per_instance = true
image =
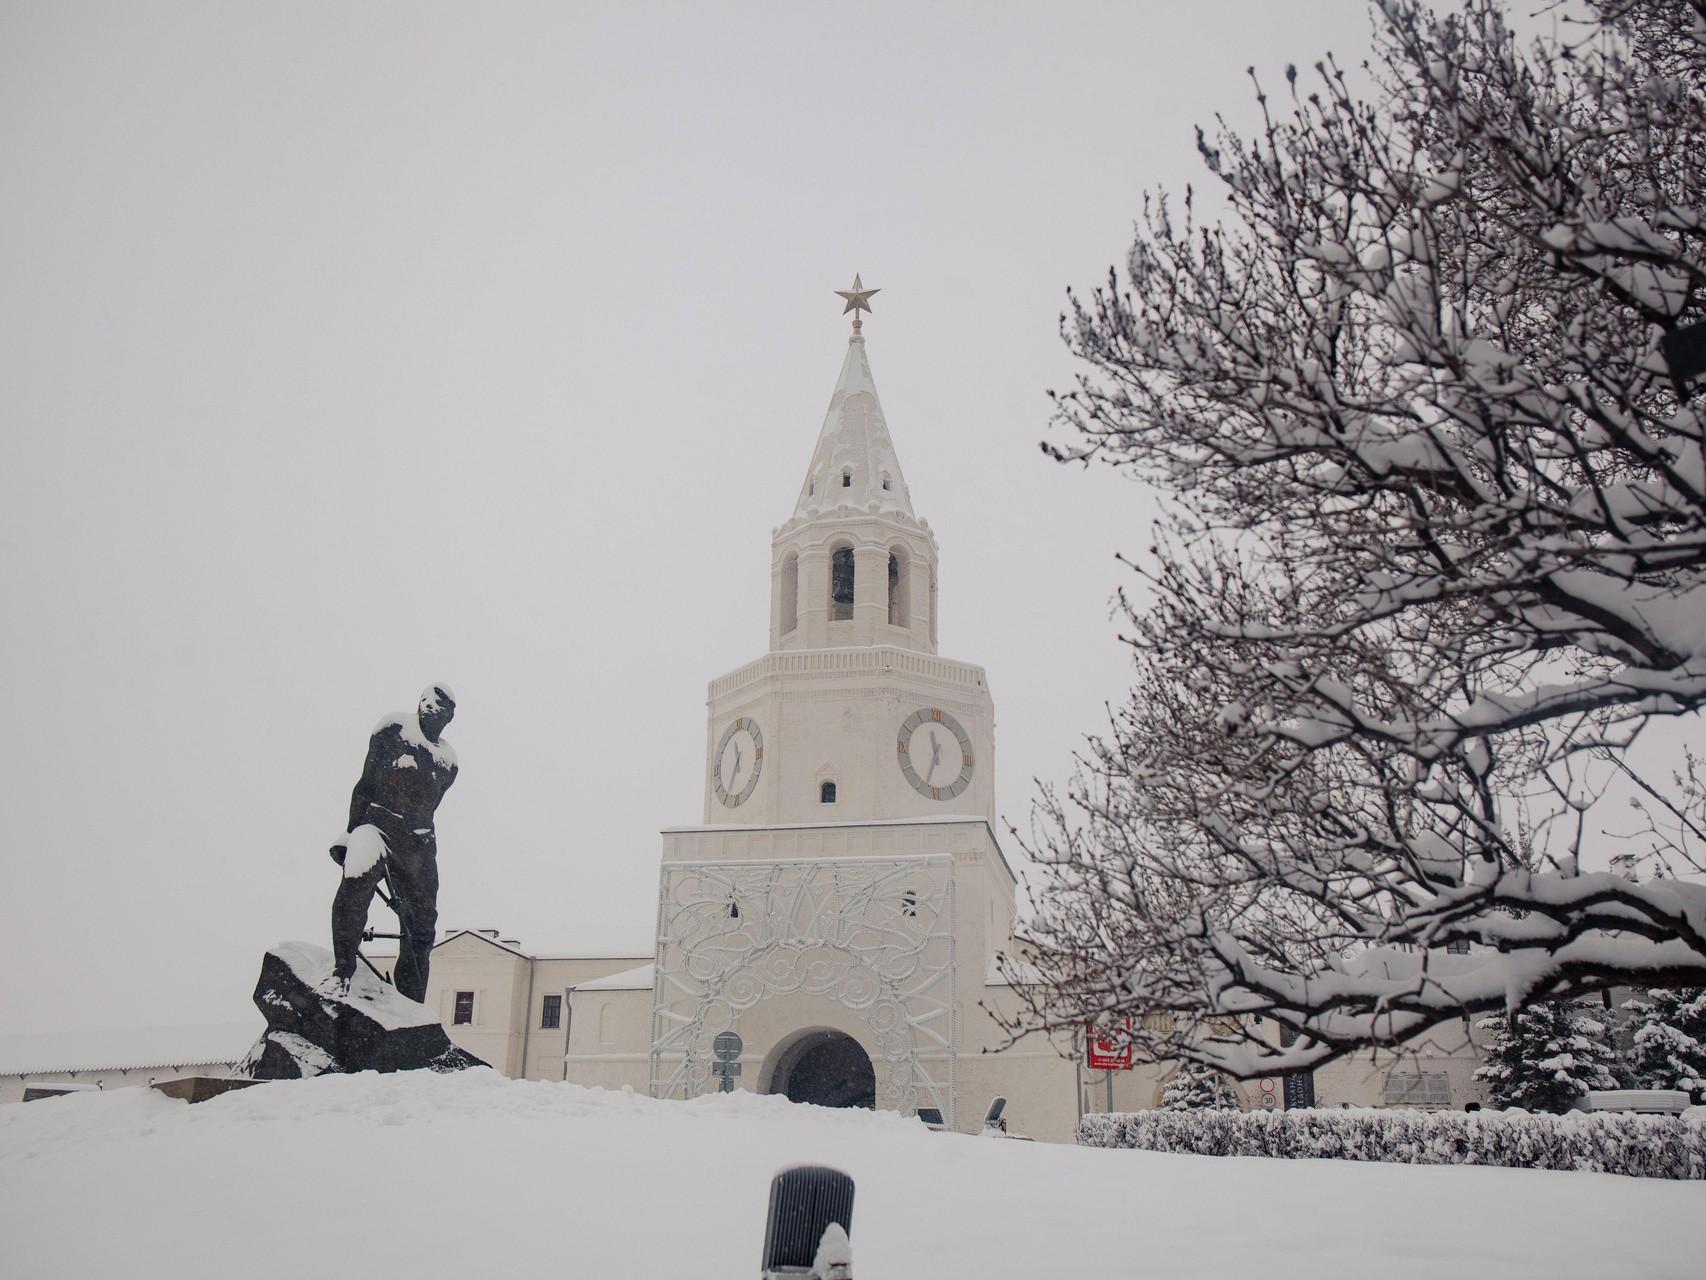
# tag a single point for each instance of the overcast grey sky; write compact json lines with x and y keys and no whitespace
{"x":348,"y":347}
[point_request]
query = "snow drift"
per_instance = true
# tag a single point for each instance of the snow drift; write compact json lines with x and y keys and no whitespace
{"x":471,"y":1174}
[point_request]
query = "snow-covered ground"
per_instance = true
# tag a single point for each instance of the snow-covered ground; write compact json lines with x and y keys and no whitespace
{"x":474,"y":1175}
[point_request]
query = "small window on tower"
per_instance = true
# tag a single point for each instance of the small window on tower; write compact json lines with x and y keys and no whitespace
{"x":826,"y":793}
{"x":885,"y":480}
{"x":734,"y":909}
{"x":847,"y":477}
{"x":909,"y":903}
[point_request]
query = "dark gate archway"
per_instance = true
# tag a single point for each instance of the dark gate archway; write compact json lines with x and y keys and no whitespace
{"x":828,"y":1069}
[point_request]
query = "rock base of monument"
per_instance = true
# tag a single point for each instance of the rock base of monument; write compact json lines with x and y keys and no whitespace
{"x":315,"y":1029}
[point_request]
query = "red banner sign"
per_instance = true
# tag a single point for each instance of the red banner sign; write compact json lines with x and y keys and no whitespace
{"x":1105,"y":1054}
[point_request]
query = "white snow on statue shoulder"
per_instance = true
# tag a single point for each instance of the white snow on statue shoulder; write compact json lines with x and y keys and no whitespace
{"x":378,"y":1000}
{"x":408,"y":723}
{"x":363,"y":848}
{"x":404,"y":762}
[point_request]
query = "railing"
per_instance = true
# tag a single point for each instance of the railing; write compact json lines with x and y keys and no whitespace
{"x":811,"y":663}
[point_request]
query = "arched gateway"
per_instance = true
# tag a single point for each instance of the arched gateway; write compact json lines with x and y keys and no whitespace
{"x":825,"y":1068}
{"x":768,"y":949}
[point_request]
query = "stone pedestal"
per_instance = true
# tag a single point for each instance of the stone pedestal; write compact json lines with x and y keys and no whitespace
{"x":314,"y":1029}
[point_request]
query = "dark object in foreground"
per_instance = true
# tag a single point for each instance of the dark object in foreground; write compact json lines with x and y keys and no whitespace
{"x":806,"y":1202}
{"x":315,"y":1026}
{"x":200,"y":1088}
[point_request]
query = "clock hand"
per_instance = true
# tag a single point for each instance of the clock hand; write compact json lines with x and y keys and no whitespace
{"x":736,"y":771}
{"x":935,"y":757}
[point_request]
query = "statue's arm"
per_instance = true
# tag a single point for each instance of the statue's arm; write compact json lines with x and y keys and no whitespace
{"x":364,"y":787}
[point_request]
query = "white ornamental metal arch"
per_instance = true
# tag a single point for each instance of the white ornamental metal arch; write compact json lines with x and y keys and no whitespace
{"x":873,"y":935}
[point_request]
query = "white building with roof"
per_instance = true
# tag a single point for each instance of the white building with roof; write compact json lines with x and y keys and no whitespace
{"x":34,"y":1066}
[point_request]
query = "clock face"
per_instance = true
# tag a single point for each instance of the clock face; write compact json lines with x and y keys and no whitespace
{"x":935,"y":754}
{"x":738,"y":762}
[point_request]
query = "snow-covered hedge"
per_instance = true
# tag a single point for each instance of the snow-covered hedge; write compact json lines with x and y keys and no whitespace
{"x":1641,"y":1146}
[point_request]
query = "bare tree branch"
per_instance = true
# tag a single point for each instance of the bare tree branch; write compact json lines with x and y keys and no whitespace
{"x":1435,"y":551}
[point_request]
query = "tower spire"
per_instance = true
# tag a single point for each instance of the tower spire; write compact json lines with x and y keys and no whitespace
{"x":854,"y":463}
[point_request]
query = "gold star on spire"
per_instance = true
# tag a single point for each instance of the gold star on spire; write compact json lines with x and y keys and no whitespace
{"x":858,"y":299}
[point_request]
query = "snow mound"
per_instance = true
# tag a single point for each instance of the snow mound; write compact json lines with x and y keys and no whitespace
{"x":490,"y":1176}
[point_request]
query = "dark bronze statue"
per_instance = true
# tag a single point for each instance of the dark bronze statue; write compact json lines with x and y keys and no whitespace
{"x":391,"y":840}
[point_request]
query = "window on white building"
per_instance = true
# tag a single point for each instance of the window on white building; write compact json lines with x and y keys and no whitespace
{"x":1407,"y":1087}
{"x":464,"y":1014}
{"x":551,"y":1014}
{"x":826,"y":793}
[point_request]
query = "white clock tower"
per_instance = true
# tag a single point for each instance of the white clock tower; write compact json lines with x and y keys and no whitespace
{"x":851,"y":716}
{"x":841,"y":901}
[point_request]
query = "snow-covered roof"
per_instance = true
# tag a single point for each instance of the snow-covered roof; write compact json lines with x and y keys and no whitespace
{"x":125,"y":1048}
{"x":920,"y":820}
{"x":502,"y":944}
{"x":854,"y":443}
{"x":639,"y":979}
{"x":630,"y":949}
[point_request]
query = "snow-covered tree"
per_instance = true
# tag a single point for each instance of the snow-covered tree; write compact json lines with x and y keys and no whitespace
{"x":1195,"y":1087}
{"x":1434,"y":553}
{"x":1670,"y":1039}
{"x":1546,"y":1057}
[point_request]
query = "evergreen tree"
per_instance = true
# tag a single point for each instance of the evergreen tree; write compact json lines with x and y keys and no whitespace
{"x":1670,"y":1039}
{"x":1199,"y":1088}
{"x":1545,"y":1058}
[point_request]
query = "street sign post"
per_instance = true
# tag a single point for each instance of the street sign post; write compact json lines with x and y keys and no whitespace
{"x":726,"y":1049}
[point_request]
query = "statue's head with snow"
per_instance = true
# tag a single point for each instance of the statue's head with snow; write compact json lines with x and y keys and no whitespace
{"x":437,"y":709}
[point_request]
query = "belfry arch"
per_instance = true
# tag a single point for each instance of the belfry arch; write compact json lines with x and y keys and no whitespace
{"x":900,"y":587}
{"x":843,"y":582}
{"x":789,"y":617}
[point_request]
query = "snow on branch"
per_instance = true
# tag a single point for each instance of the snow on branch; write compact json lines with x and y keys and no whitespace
{"x":1435,"y":554}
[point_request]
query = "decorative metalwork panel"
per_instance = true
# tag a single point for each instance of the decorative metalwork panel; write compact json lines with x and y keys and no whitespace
{"x":874,"y":935}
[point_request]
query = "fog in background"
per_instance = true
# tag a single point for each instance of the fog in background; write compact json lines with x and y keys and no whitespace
{"x":345,"y":348}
